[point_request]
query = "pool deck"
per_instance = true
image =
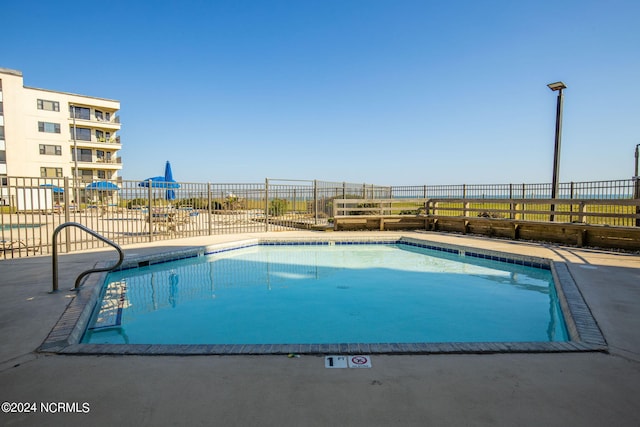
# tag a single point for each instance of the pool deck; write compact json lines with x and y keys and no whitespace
{"x":551,"y":389}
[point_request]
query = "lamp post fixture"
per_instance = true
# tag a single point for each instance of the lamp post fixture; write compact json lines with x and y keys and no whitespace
{"x":557,"y":86}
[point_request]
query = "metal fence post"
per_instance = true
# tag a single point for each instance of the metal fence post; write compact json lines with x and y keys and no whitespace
{"x":266,"y":204}
{"x":149,"y":211}
{"x":636,"y":187}
{"x":571,"y":197}
{"x":295,"y":199}
{"x":512,"y":206}
{"x":67,"y":209}
{"x":315,"y":200}
{"x":572,"y":189}
{"x":637,"y":196}
{"x":209,"y":210}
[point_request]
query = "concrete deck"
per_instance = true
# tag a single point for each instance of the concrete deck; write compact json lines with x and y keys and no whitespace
{"x":585,"y":389}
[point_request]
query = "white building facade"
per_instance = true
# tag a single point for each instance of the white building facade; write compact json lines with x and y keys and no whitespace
{"x":50,"y":134}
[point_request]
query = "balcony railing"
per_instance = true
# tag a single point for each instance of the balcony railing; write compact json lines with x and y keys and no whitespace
{"x":115,"y":120}
{"x":112,"y":119}
{"x":112,"y":161}
{"x":115,"y":140}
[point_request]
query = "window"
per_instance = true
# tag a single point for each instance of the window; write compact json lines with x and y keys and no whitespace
{"x":43,"y":104}
{"x":80,"y":112}
{"x":49,"y":127}
{"x":84,"y":155}
{"x":86,"y":175}
{"x":51,"y":172}
{"x":1,"y":132}
{"x":51,"y":150}
{"x":107,"y":136}
{"x":81,"y":134}
{"x":1,"y":108}
{"x":3,"y":156}
{"x":107,"y":116}
{"x":100,"y":136}
{"x":102,"y":175}
{"x":99,"y":115}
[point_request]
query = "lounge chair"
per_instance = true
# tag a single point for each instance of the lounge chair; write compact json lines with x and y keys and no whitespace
{"x":20,"y":245}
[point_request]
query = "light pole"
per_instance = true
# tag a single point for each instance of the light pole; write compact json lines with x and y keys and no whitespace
{"x":557,"y":86}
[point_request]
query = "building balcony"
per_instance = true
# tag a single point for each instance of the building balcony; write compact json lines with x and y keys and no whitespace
{"x":98,"y":163}
{"x":113,"y":160}
{"x":101,"y":143}
{"x":112,"y":124}
{"x":112,"y":140}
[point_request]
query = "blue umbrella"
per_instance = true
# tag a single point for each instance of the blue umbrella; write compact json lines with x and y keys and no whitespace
{"x":53,"y":187}
{"x":165,"y":181}
{"x":158,"y":182}
{"x":168,"y":177}
{"x":102,"y":186}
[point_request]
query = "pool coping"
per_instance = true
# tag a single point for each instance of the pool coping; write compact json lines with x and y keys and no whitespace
{"x":585,"y":335}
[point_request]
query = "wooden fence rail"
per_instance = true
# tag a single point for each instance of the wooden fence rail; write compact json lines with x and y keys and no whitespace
{"x":594,"y":222}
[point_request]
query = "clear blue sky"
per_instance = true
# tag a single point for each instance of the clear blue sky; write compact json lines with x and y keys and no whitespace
{"x":395,"y":92}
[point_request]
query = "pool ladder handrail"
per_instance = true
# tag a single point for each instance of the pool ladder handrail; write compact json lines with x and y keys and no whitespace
{"x":54,"y":257}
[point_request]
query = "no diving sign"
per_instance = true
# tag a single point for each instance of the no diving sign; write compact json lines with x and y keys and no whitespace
{"x":358,"y":361}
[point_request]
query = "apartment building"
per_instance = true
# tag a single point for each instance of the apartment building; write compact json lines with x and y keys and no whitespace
{"x":50,"y":134}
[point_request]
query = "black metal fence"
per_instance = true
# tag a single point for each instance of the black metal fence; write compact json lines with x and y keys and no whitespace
{"x":129,"y":211}
{"x":615,"y":189}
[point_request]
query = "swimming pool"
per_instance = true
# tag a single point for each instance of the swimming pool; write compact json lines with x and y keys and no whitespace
{"x":18,"y":226}
{"x":66,"y":337}
{"x":329,"y":293}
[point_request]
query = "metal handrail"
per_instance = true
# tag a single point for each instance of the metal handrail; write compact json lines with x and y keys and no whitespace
{"x":83,"y":274}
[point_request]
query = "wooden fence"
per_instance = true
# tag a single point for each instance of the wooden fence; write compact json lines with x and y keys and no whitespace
{"x":589,"y":222}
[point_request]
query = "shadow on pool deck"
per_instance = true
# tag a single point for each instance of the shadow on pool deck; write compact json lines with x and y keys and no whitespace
{"x":586,"y":389}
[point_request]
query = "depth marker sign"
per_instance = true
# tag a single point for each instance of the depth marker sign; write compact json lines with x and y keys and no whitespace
{"x":339,"y":362}
{"x":335,"y":362}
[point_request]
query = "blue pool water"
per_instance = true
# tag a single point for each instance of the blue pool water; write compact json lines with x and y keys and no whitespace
{"x":328,"y":294}
{"x":17,"y":226}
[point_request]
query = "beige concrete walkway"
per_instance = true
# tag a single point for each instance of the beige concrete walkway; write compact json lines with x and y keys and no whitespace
{"x":572,"y":389}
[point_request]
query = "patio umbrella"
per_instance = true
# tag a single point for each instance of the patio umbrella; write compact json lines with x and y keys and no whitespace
{"x":165,"y":181}
{"x":168,"y":177}
{"x":102,"y":186}
{"x":158,"y":182}
{"x":53,"y":187}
